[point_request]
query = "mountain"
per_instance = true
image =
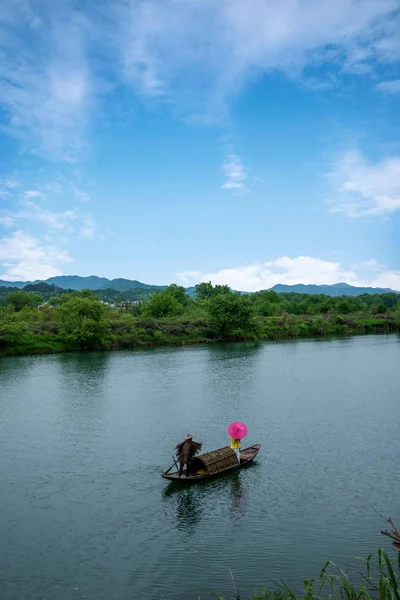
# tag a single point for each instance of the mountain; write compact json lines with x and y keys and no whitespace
{"x":122,"y":285}
{"x":75,"y":282}
{"x":45,"y":289}
{"x":14,"y":284}
{"x":337,"y":289}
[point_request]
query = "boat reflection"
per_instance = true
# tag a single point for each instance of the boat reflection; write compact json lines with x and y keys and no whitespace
{"x":193,"y":501}
{"x":238,"y":497}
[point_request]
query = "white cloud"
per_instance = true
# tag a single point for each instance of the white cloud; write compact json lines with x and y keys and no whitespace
{"x":79,"y":194}
{"x":9,"y":183}
{"x":388,"y":279}
{"x":88,"y":228}
{"x":290,"y":271}
{"x":24,"y":257}
{"x":373,"y":264}
{"x":390,"y":87}
{"x":229,"y":42}
{"x":54,"y":220}
{"x":45,"y":80}
{"x":88,"y":233}
{"x":7,"y":186}
{"x":234,"y":172}
{"x":33,"y":194}
{"x":191,"y":55}
{"x":33,"y":205}
{"x":6,"y":220}
{"x":362,"y":188}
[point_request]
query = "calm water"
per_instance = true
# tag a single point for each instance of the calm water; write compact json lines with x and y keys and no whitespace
{"x":83,"y":439}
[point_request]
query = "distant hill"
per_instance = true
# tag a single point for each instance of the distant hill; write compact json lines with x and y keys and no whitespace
{"x":75,"y":282}
{"x":337,"y":289}
{"x":45,"y":288}
{"x":13,"y":284}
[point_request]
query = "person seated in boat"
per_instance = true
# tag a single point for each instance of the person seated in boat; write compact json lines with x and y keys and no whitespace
{"x":185,"y":452}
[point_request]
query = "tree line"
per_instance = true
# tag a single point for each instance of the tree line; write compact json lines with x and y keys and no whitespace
{"x":31,"y":321}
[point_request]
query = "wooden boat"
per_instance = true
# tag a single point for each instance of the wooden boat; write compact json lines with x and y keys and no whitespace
{"x":213,"y":464}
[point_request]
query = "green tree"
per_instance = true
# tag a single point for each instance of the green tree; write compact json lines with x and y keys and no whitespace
{"x":319,"y":326}
{"x":266,"y":303}
{"x":87,"y":294}
{"x":344,"y":306}
{"x":179,"y":293}
{"x":161,"y":304}
{"x":55,"y":300}
{"x":324,"y":307}
{"x":378,"y":309}
{"x":290,"y":324}
{"x":83,"y":323}
{"x":206,"y":290}
{"x":230,"y":311}
{"x":12,"y":331}
{"x":268,"y":296}
{"x":19,"y":299}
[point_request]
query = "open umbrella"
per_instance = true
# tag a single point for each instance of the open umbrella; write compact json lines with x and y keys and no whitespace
{"x":237,"y":430}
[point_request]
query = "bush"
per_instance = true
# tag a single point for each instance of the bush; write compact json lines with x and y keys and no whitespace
{"x":83,"y":323}
{"x":13,"y":331}
{"x":229,"y":312}
{"x":162,"y":304}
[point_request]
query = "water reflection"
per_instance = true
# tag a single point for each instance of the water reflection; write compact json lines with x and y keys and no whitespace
{"x":82,"y":499}
{"x":188,"y":510}
{"x":228,"y":351}
{"x":82,"y":385}
{"x":238,"y":497}
{"x":85,"y":368}
{"x":191,"y":502}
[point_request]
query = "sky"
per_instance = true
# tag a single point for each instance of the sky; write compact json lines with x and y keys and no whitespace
{"x":243,"y":142}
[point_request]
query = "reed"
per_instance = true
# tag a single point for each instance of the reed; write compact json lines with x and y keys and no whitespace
{"x":377,"y":579}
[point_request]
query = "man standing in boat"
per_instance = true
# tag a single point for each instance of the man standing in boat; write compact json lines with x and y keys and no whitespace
{"x":185,"y":452}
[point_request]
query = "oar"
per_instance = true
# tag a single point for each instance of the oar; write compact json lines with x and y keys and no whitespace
{"x":176,"y":465}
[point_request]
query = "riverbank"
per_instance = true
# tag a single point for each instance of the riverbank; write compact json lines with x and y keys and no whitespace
{"x":127,"y":332}
{"x":33,"y":324}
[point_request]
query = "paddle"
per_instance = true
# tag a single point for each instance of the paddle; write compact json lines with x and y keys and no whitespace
{"x":176,"y":465}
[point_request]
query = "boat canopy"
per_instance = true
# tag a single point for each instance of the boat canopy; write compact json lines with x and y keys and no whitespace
{"x":215,"y":461}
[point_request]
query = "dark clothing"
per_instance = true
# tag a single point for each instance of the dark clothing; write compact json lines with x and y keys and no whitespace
{"x":185,"y":452}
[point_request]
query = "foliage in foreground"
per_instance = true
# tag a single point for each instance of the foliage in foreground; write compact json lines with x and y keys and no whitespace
{"x":380,"y":580}
{"x":80,"y":321}
{"x":377,"y":579}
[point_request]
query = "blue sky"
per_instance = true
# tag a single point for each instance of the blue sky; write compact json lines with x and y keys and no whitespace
{"x":247,"y":142}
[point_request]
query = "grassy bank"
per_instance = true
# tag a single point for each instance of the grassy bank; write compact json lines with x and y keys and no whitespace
{"x":133,"y":332}
{"x":32,"y":324}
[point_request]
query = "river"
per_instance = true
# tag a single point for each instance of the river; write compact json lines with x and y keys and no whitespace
{"x":84,"y":437}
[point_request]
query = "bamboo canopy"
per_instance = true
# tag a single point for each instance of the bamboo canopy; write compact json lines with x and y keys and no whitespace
{"x":218,"y":460}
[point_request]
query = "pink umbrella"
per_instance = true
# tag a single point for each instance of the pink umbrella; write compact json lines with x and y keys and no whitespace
{"x":237,"y":430}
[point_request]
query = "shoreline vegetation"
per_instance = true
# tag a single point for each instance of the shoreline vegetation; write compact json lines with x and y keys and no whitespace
{"x":46,"y":319}
{"x":375,"y":578}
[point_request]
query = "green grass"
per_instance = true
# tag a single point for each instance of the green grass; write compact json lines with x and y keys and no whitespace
{"x":377,"y":579}
{"x":135,"y":332}
{"x":38,"y":344}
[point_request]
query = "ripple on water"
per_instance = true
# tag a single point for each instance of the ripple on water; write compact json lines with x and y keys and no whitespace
{"x":85,"y":514}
